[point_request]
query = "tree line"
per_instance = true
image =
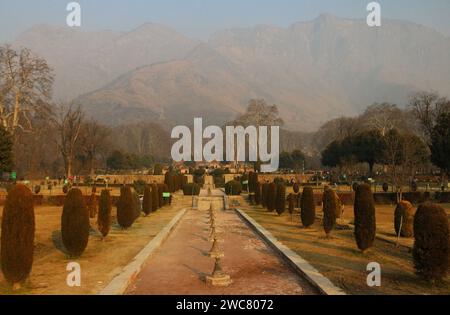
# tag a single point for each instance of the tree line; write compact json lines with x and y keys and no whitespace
{"x":40,"y":138}
{"x":402,"y":140}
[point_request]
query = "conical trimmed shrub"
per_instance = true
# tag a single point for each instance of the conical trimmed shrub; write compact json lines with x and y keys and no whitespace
{"x":338,"y":205}
{"x":251,"y":183}
{"x":296,"y":188}
{"x":233,"y":188}
{"x":147,"y":201}
{"x":365,"y":222}
{"x":104,"y":212}
{"x":281,"y":199}
{"x":291,"y":203}
{"x":404,"y":219}
{"x":37,"y":189}
{"x":126,"y":208}
{"x":17,"y":237}
{"x":160,"y":195}
{"x":92,"y":205}
{"x":165,"y":189}
{"x":75,"y":223}
{"x":157,"y":169}
{"x":264,"y":191}
{"x":431,"y":242}
{"x":307,"y":207}
{"x":169,"y":180}
{"x":191,"y":189}
{"x":257,"y":193}
{"x":137,"y":204}
{"x":329,"y":210}
{"x":155,"y":198}
{"x":271,"y":196}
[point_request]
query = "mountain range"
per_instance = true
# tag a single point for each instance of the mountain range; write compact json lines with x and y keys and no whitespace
{"x":313,"y":71}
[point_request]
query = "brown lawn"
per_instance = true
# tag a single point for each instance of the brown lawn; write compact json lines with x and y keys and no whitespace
{"x":101,"y":261}
{"x":339,"y":259}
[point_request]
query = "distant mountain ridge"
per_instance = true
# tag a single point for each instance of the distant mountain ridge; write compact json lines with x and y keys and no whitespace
{"x":314,"y":70}
{"x":86,"y":60}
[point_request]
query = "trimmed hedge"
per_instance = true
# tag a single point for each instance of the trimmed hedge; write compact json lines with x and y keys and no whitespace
{"x":364,"y":213}
{"x":257,"y":193}
{"x":431,"y":242}
{"x":75,"y":223}
{"x":104,"y":213}
{"x":404,"y":217}
{"x":264,"y":192}
{"x":291,"y":203}
{"x":307,"y":207}
{"x":155,"y":198}
{"x":330,"y":207}
{"x":191,"y":189}
{"x":233,"y":188}
{"x":271,"y":197}
{"x":281,"y":199}
{"x":126,"y":208}
{"x":92,"y":205}
{"x":147,"y":203}
{"x":17,"y":235}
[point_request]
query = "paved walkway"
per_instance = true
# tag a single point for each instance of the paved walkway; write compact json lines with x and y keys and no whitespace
{"x":182,"y":263}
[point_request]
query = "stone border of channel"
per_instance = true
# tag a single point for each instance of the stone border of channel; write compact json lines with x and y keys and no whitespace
{"x":120,"y":283}
{"x":301,"y":266}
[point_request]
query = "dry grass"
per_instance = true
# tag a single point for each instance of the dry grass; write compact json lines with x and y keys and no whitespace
{"x":339,"y":259}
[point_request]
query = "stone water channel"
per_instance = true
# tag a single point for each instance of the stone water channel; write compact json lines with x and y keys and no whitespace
{"x":182,"y":263}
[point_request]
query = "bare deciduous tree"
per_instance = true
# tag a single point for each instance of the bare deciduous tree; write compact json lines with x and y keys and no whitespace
{"x":25,"y":88}
{"x":383,"y":117}
{"x":94,"y":142}
{"x":68,"y":124}
{"x":426,"y":107}
{"x":259,"y":113}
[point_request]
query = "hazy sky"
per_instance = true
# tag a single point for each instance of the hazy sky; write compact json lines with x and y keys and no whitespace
{"x":199,"y":18}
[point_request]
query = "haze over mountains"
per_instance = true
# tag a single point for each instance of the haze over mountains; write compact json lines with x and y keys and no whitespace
{"x":313,"y":71}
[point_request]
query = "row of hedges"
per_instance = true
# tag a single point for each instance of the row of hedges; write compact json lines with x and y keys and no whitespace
{"x":191,"y":189}
{"x":429,"y":224}
{"x":18,"y":219}
{"x":271,"y":196}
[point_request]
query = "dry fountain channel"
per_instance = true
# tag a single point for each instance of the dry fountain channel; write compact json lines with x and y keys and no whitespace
{"x":213,"y":252}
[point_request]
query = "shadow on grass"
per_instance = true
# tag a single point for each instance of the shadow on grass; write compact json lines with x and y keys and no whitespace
{"x":58,"y":243}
